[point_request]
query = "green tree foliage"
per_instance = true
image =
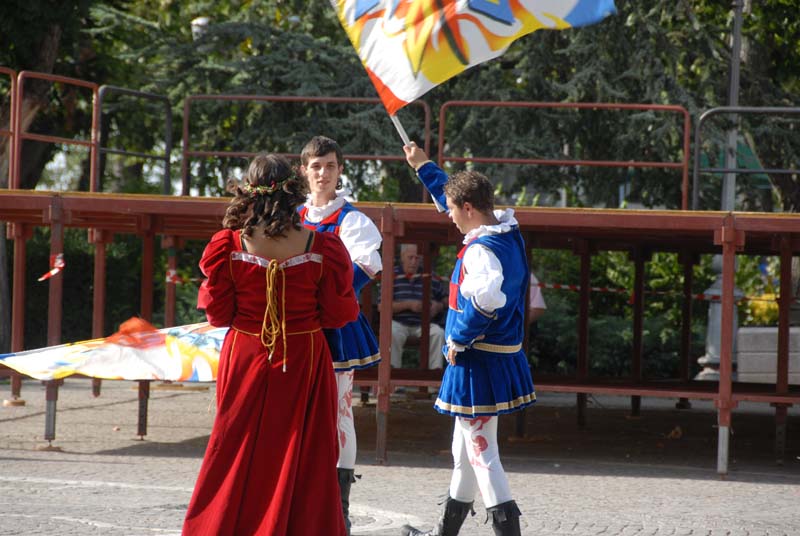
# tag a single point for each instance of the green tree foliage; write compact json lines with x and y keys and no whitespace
{"x":258,"y":48}
{"x":44,"y":36}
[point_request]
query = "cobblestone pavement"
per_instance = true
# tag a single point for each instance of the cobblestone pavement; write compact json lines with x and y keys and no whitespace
{"x":618,"y":476}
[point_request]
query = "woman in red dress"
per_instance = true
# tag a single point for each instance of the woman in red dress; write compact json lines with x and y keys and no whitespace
{"x":270,"y":464}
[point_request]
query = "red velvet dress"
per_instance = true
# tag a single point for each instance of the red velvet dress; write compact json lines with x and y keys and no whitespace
{"x":270,"y":464}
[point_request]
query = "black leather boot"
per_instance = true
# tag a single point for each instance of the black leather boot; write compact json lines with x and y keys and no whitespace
{"x":346,"y":479}
{"x":453,"y":516}
{"x":505,"y":519}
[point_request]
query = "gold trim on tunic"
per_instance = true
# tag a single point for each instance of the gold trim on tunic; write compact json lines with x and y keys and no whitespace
{"x":472,"y":410}
{"x":497,"y":348}
{"x":344,"y":365}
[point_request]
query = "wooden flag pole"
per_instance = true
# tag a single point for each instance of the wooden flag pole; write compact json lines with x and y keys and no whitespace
{"x":400,"y":129}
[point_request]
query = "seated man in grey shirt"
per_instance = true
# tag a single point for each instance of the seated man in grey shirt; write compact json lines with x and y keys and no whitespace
{"x":407,"y":308}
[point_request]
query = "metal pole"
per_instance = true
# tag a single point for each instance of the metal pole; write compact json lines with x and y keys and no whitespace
{"x":385,"y":366}
{"x":710,"y":361}
{"x":99,"y":238}
{"x":729,"y":179}
{"x":725,"y":403}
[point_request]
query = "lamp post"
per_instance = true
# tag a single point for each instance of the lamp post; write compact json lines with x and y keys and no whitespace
{"x":710,"y":361}
{"x":199,"y":27}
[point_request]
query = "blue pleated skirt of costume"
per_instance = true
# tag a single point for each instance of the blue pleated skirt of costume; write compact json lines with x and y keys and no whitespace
{"x":486,"y":383}
{"x":353,"y":346}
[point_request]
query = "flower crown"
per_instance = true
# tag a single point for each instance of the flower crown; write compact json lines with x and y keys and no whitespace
{"x":268,"y":189}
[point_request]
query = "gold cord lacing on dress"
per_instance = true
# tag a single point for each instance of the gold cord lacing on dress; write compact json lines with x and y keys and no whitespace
{"x":274,"y":324}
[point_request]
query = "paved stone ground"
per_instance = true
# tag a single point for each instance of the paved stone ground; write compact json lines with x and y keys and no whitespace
{"x":654,"y":475}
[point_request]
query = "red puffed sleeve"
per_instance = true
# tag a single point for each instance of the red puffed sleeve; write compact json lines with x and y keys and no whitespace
{"x":336,"y":297}
{"x":216,"y":294}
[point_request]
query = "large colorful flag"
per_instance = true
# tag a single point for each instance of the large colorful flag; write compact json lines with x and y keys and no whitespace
{"x":138,"y":351}
{"x":410,"y":46}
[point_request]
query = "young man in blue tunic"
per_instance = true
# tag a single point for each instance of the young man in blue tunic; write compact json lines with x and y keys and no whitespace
{"x":353,"y":346}
{"x":487,"y":373}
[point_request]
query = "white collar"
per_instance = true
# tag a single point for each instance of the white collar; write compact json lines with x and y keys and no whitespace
{"x":317,"y":214}
{"x":506,"y":221}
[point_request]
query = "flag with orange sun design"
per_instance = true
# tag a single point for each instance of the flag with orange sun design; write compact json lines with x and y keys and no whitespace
{"x":410,"y":46}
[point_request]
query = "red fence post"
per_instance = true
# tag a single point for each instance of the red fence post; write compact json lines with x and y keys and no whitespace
{"x":385,"y":344}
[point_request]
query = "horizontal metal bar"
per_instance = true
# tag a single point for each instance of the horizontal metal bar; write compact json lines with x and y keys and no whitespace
{"x":109,"y":150}
{"x":54,"y":139}
{"x":283,"y":98}
{"x":539,"y":162}
{"x":744,"y":171}
{"x":568,"y":105}
{"x":47,"y":77}
{"x":132,"y":93}
{"x":243,"y":154}
{"x":770,"y":110}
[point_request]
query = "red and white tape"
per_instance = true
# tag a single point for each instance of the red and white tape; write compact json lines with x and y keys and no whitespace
{"x":56,"y":265}
{"x":177,"y":279}
{"x":701,"y":296}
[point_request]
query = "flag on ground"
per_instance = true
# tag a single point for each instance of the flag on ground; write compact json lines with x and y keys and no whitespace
{"x":138,"y":351}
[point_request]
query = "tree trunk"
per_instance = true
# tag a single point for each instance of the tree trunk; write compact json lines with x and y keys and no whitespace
{"x":5,"y":147}
{"x":36,"y":97}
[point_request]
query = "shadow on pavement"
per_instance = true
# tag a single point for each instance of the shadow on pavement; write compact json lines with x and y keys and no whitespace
{"x":190,"y":448}
{"x":657,"y":443}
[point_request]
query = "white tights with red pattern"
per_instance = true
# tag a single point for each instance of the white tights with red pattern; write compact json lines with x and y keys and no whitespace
{"x":476,"y":462}
{"x":346,"y":426}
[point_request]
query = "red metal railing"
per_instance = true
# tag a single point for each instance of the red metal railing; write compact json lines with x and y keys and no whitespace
{"x":188,"y":153}
{"x":20,"y":135}
{"x":583,"y":231}
{"x":9,"y":133}
{"x":683,"y":165}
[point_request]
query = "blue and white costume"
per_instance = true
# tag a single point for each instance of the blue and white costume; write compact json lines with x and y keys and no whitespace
{"x":353,"y":346}
{"x":489,"y":375}
{"x":486,"y":317}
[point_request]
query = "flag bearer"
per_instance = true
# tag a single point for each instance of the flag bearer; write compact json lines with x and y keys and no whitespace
{"x":488,"y":373}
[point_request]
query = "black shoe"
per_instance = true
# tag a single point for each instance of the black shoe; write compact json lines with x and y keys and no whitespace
{"x":505,"y":519}
{"x":346,"y":479}
{"x":453,"y":516}
{"x":408,"y":530}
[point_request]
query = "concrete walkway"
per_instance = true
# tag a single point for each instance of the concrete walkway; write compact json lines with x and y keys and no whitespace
{"x":653,"y":475}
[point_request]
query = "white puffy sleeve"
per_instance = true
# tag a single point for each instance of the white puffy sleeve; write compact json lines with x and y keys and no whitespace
{"x":483,"y":278}
{"x":362,"y":240}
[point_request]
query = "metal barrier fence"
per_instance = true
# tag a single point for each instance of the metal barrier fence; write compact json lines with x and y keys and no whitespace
{"x":21,"y":135}
{"x":167,"y":187}
{"x":683,"y":165}
{"x":732,"y":110}
{"x":189,"y":153}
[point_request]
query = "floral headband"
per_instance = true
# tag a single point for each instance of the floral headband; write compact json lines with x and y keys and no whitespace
{"x":268,"y":189}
